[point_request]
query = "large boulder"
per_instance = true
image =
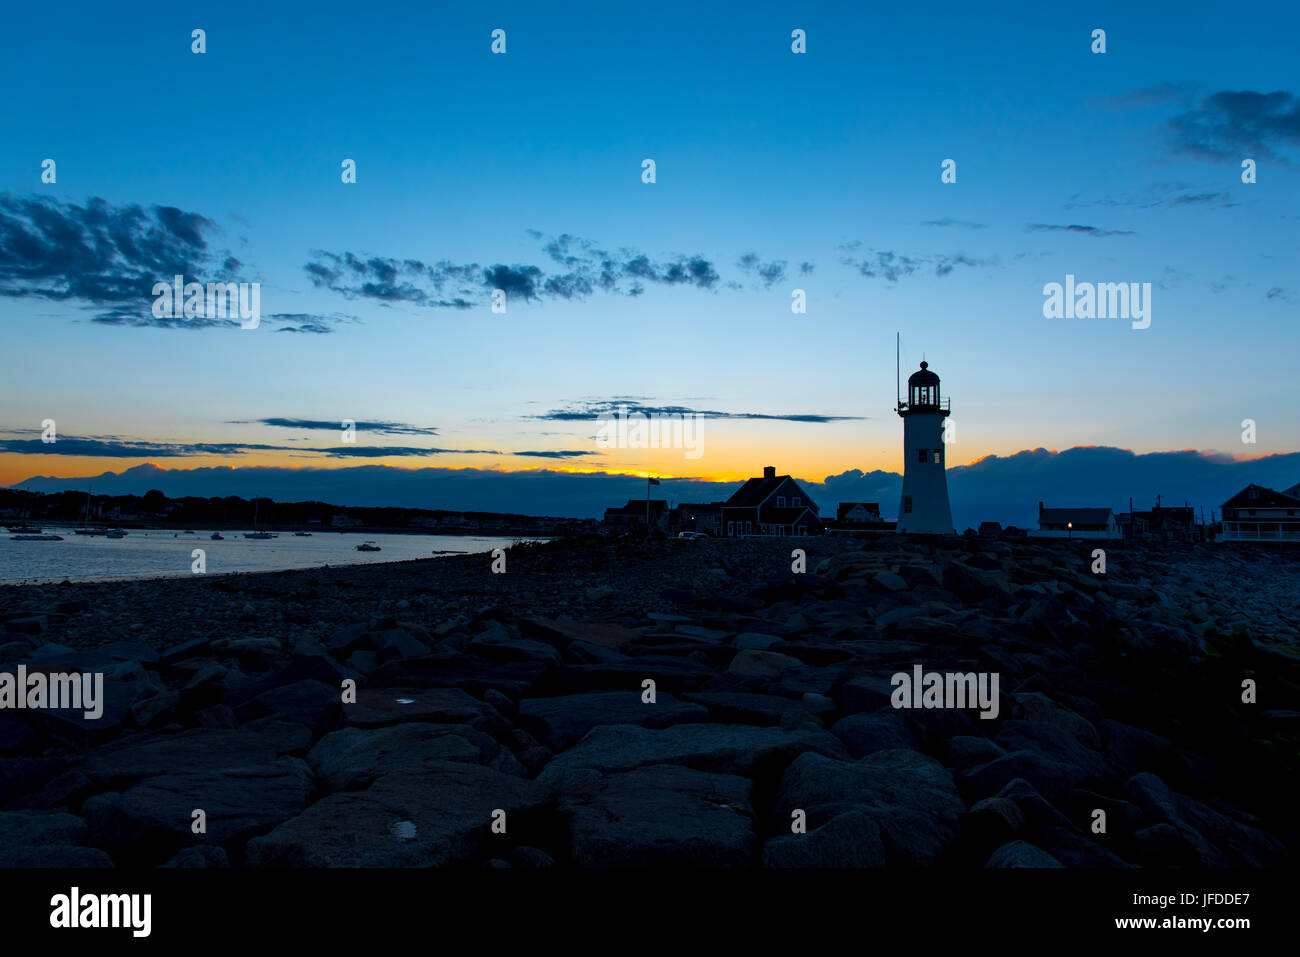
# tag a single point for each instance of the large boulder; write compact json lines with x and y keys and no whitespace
{"x":356,"y":757}
{"x":661,"y":816}
{"x":726,"y":748}
{"x":911,"y":797}
{"x":851,"y":839}
{"x":561,"y":722}
{"x":432,"y":816}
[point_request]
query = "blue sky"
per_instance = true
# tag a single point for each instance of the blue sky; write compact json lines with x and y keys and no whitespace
{"x":1120,"y":167}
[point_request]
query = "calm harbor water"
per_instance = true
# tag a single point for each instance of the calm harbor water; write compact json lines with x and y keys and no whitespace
{"x":155,"y":553}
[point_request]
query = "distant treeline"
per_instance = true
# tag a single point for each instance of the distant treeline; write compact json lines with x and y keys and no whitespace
{"x":154,"y":506}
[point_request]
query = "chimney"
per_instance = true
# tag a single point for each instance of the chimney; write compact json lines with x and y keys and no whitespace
{"x":769,"y":471}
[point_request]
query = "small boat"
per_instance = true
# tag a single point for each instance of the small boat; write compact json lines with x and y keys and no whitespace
{"x":85,"y":530}
{"x":115,"y":533}
{"x":189,"y":531}
{"x":25,"y":529}
{"x":369,"y":547}
{"x":36,"y":538}
{"x":303,"y":534}
{"x":218,"y":537}
{"x":259,"y":536}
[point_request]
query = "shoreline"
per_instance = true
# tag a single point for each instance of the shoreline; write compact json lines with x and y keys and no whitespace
{"x":771,"y":690}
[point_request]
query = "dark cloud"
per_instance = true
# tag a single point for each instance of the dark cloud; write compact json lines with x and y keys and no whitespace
{"x":591,"y":409}
{"x":309,"y":323}
{"x":117,"y":448}
{"x":585,"y":270}
{"x":891,"y":266}
{"x":1157,"y":195}
{"x":106,"y":258}
{"x":768,"y":273}
{"x":1231,"y":125}
{"x":556,"y":454}
{"x":1076,"y":228}
{"x":383,"y":428}
{"x":954,"y":222}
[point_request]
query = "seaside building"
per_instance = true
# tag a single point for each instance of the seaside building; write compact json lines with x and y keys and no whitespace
{"x":704,"y":517}
{"x":858,"y":512}
{"x":770,"y":504}
{"x":1260,"y":514}
{"x":924,"y":506}
{"x":1076,"y":523}
{"x":634,"y":514}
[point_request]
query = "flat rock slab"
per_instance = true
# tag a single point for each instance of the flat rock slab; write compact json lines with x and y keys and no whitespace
{"x":199,"y":749}
{"x":722,"y":748}
{"x":56,"y":856}
{"x":430,"y":817}
{"x":910,"y":796}
{"x":851,"y":839}
{"x":745,"y":707}
{"x":35,"y":828}
{"x":381,"y":707}
{"x":150,"y":822}
{"x":560,"y":723}
{"x":357,"y":757}
{"x":596,"y":633}
{"x":661,"y":816}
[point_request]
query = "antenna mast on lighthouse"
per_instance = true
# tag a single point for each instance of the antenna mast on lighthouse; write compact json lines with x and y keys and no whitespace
{"x":898,"y":375}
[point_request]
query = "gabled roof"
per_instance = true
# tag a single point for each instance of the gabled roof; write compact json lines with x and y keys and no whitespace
{"x":1267,"y":498}
{"x":756,"y":491}
{"x":1079,"y":516}
{"x":846,"y":507}
{"x":784,"y":515}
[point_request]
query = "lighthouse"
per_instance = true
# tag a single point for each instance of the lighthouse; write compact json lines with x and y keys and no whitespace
{"x":924,"y":506}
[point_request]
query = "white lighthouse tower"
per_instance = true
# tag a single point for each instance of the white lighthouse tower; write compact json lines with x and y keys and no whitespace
{"x":924,"y":506}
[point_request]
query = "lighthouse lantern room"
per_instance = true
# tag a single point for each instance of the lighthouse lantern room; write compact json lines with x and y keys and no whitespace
{"x":924,"y":506}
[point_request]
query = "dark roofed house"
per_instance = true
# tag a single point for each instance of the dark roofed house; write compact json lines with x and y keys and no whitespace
{"x":990,"y":529}
{"x":1260,"y":514}
{"x":769,"y":505}
{"x":858,"y":512}
{"x":634,"y":513}
{"x":705,"y":517}
{"x":1076,"y":523}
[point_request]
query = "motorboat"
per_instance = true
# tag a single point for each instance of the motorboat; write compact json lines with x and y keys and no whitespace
{"x":369,"y":547}
{"x":303,"y":534}
{"x":218,"y":537}
{"x":260,"y":536}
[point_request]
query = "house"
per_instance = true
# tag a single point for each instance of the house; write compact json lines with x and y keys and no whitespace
{"x":990,"y":529}
{"x":1260,"y":514}
{"x":706,"y":518}
{"x":1162,"y":522}
{"x":858,"y":512}
{"x":634,"y":513}
{"x":1076,"y":523}
{"x":769,"y":505}
{"x":343,"y":520}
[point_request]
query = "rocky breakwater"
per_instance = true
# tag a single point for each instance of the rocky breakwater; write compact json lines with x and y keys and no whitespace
{"x":731,"y":713}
